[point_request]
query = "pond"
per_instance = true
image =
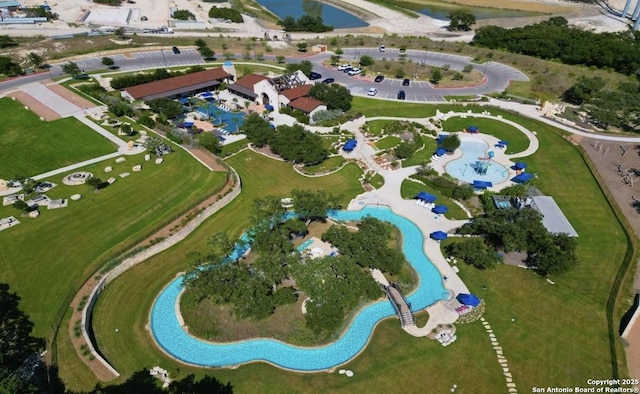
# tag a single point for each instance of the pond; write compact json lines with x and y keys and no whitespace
{"x":331,"y":15}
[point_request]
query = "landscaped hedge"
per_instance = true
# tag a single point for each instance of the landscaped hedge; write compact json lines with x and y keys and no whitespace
{"x":226,"y":13}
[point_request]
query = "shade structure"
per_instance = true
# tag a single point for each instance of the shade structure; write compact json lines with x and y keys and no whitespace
{"x":441,"y":151}
{"x":268,"y":107}
{"x":472,"y":129}
{"x":468,"y":299}
{"x":424,"y":196}
{"x":503,"y":142}
{"x":482,"y":184}
{"x":350,"y":145}
{"x":438,"y":235}
{"x":522,"y":178}
{"x":440,"y":209}
{"x":519,"y":166}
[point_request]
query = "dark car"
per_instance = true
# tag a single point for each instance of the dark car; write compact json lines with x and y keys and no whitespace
{"x":402,"y":95}
{"x":328,"y":80}
{"x":81,"y":76}
{"x":379,"y":78}
{"x":314,"y":75}
{"x":405,"y":82}
{"x":114,"y":67}
{"x":175,"y":50}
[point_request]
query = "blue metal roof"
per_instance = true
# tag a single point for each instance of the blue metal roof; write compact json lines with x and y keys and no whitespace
{"x":5,"y":4}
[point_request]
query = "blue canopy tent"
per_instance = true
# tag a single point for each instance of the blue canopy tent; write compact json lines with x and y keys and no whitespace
{"x":482,"y":184}
{"x":522,"y":178}
{"x":350,"y":145}
{"x":440,"y":209}
{"x":441,"y":151}
{"x":472,"y":129}
{"x":424,"y":196}
{"x":206,"y":95}
{"x":438,"y":235}
{"x":183,"y":100}
{"x":468,"y":299}
{"x":503,"y":142}
{"x":519,"y":166}
{"x":268,"y":107}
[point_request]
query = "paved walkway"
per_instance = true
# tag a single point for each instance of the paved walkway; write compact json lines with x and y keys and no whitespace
{"x":55,"y":102}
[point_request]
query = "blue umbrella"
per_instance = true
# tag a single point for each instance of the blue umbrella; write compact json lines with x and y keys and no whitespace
{"x":438,"y":235}
{"x":519,"y":166}
{"x":468,"y":299}
{"x":440,"y":209}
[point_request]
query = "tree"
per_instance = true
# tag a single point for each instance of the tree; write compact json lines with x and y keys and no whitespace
{"x":200,"y":43}
{"x":334,"y":95}
{"x":257,"y":130}
{"x":436,"y":76}
{"x":302,"y":46}
{"x":400,"y":73}
{"x":170,"y":108}
{"x":584,"y":89}
{"x":473,"y":252}
{"x":310,"y":205}
{"x":460,"y":21}
{"x":16,"y":346}
{"x":36,"y":59}
{"x":553,"y":254}
{"x":209,"y":142}
{"x":305,"y":66}
{"x":8,"y":67}
{"x":7,"y":41}
{"x":451,"y":142}
{"x":120,"y":32}
{"x":366,"y":61}
{"x":107,"y":61}
{"x":183,"y":15}
{"x":71,"y":68}
{"x":467,"y":69}
{"x":405,"y":150}
{"x":207,"y":53}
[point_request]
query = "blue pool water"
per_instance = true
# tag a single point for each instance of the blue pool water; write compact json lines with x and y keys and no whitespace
{"x":305,"y":245}
{"x":231,"y":120}
{"x":168,"y":333}
{"x":463,"y":168}
{"x":331,"y":15}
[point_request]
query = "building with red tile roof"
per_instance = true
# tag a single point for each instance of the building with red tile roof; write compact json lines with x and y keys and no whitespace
{"x":182,"y":85}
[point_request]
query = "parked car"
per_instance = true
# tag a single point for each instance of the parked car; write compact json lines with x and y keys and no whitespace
{"x":379,"y":78}
{"x":382,"y":48}
{"x":347,"y":69}
{"x":401,"y":95}
{"x":354,"y":71}
{"x":344,"y":67}
{"x":372,"y":92}
{"x":405,"y":82}
{"x":328,"y":80}
{"x":175,"y":50}
{"x":314,"y":75}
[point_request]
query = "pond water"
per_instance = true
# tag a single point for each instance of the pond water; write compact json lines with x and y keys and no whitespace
{"x":331,"y":15}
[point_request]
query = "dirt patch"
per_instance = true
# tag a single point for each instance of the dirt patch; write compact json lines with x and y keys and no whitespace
{"x":36,"y":106}
{"x":515,"y":258}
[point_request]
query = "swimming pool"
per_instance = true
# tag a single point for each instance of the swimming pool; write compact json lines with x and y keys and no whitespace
{"x":166,"y":329}
{"x":305,"y":245}
{"x":470,"y":167}
{"x":231,"y":120}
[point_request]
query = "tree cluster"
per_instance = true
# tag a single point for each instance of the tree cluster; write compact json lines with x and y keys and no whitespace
{"x":367,"y":246}
{"x":226,"y":13}
{"x":305,"y":66}
{"x":619,"y":108}
{"x":183,"y":15}
{"x":459,"y":20}
{"x":206,"y":52}
{"x":7,"y":41}
{"x":334,"y":95}
{"x":157,"y":75}
{"x":8,"y":67}
{"x":21,"y":369}
{"x":170,"y":108}
{"x":555,"y":39}
{"x":306,"y":23}
{"x":516,"y":230}
{"x":40,"y":12}
{"x":292,"y":143}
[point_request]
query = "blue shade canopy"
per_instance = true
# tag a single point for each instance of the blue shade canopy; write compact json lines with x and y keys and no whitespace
{"x":440,"y":209}
{"x":522,"y":178}
{"x":268,"y":107}
{"x":438,"y":235}
{"x":482,"y":184}
{"x":440,"y":151}
{"x":350,"y":145}
{"x":503,"y":142}
{"x":426,"y":197}
{"x":472,"y":129}
{"x":519,"y":166}
{"x":468,"y":299}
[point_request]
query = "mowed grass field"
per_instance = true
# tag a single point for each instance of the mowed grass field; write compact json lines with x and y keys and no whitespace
{"x":30,"y":146}
{"x":559,"y":336}
{"x":518,"y":142}
{"x":45,"y":260}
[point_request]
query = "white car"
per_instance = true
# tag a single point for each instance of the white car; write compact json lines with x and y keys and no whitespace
{"x":382,"y":48}
{"x":344,"y":67}
{"x":372,"y":92}
{"x":354,"y":71}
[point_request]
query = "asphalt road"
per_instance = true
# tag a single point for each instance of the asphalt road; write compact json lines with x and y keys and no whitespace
{"x":498,"y":76}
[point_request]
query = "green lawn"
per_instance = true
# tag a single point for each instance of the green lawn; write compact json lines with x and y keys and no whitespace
{"x":388,"y":142}
{"x":86,"y":233}
{"x":423,"y":155}
{"x":377,"y":181}
{"x":329,"y":164}
{"x":233,"y":147}
{"x":376,"y":126}
{"x":372,"y":108}
{"x":30,"y":146}
{"x":518,"y":142}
